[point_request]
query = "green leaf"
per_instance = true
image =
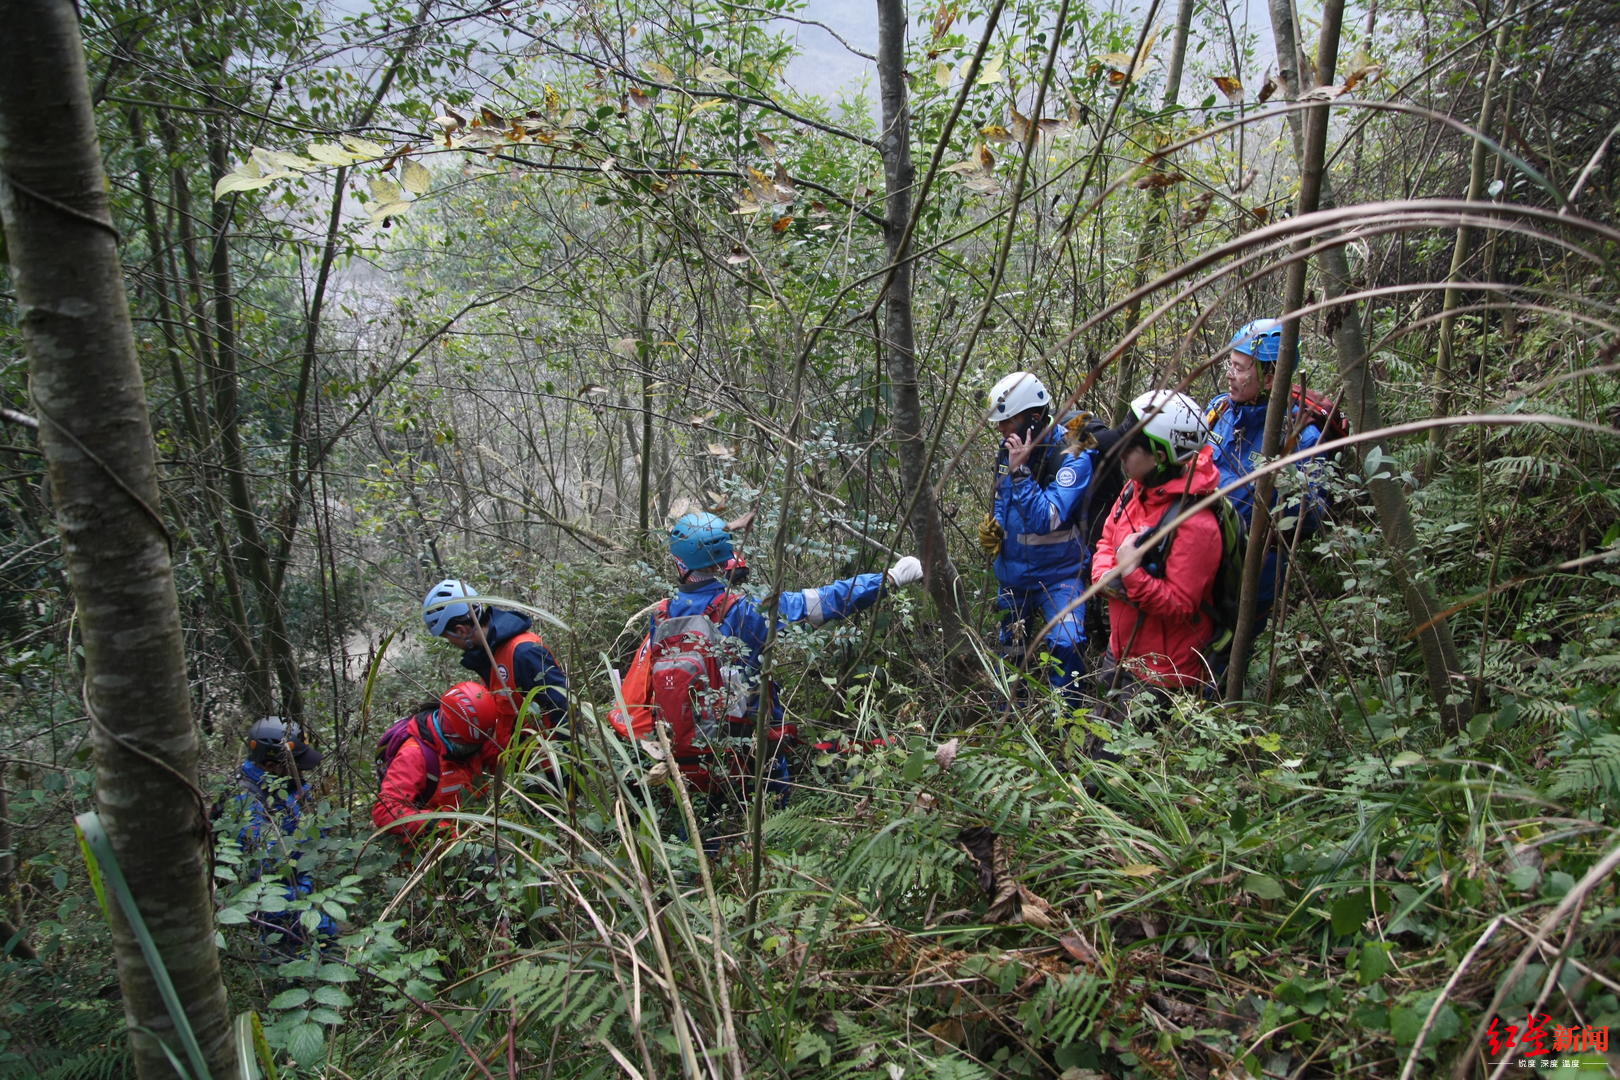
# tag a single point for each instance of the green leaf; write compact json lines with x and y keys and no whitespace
{"x":1524,"y":878}
{"x":1266,"y":888}
{"x":232,"y":916}
{"x":338,"y":973}
{"x":1374,"y":964}
{"x":914,"y":766}
{"x":289,"y":999}
{"x":306,"y":1043}
{"x":1349,"y":912}
{"x":331,"y":995}
{"x":811,"y":1044}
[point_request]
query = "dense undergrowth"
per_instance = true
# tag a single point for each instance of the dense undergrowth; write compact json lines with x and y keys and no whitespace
{"x":1331,"y":885}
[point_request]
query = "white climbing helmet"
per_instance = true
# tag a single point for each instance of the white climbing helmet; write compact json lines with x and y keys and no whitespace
{"x":1014,"y":394}
{"x":1172,"y":422}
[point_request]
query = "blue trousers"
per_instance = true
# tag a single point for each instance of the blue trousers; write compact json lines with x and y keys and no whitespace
{"x":1025,"y":611}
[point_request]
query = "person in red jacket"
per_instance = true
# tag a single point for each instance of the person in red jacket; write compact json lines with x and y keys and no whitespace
{"x":1159,"y":607}
{"x":438,"y":762}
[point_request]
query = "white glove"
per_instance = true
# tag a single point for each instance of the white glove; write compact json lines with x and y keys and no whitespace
{"x":905,"y":571}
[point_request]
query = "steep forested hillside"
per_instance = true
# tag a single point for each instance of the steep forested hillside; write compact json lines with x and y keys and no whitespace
{"x":497,"y":294}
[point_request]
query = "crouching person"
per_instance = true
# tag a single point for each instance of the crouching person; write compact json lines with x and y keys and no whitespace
{"x":272,"y":795}
{"x":430,"y":759}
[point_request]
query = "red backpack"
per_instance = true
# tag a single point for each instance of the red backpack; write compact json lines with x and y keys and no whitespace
{"x":676,"y":678}
{"x":1319,"y":410}
{"x":392,"y":739}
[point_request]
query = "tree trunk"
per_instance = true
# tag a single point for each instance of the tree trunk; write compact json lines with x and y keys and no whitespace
{"x":899,"y":336}
{"x":1461,"y":248}
{"x":97,"y":442}
{"x":1440,"y":661}
{"x":1312,"y":150}
{"x":1157,"y":212}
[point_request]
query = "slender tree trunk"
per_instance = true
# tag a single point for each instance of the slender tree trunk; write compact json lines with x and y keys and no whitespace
{"x":11,"y":924}
{"x":227,"y":410}
{"x":1462,"y":247}
{"x":1157,"y":211}
{"x":97,"y":441}
{"x":899,"y":335}
{"x":1312,"y":150}
{"x":1447,"y":680}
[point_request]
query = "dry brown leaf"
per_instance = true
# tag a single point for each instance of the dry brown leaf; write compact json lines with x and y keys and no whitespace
{"x":1261,"y":213}
{"x":766,"y":143}
{"x":1243,"y":185}
{"x":1197,"y":210}
{"x":1079,"y":948}
{"x":946,"y":754}
{"x":1267,"y":90}
{"x":1158,"y":180}
{"x":640,"y":98}
{"x":781,"y":224}
{"x":782,"y":185}
{"x":738,"y":256}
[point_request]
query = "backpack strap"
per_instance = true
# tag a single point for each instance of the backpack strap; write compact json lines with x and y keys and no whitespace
{"x":430,"y":758}
{"x":720,"y":606}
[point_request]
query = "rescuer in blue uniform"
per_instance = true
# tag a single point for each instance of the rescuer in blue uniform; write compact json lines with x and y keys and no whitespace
{"x":1034,"y":526}
{"x":1237,"y":422}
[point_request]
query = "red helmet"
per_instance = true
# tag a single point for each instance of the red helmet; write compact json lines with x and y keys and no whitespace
{"x":467,"y":716}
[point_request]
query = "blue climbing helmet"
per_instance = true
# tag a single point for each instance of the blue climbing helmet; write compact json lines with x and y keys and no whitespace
{"x":700,"y":541}
{"x":437,"y":618}
{"x":1261,"y":339}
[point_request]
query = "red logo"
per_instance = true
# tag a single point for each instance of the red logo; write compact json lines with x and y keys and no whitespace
{"x":1538,"y":1037}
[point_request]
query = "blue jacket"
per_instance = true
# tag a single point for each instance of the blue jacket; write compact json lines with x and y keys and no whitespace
{"x":273,"y":811}
{"x":745,"y":622}
{"x":1042,"y":542}
{"x":1236,"y":432}
{"x":532,"y":664}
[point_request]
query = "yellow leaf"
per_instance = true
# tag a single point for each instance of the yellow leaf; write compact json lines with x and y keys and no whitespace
{"x":1230,"y":87}
{"x":364,"y":147}
{"x":996,"y":133}
{"x":766,"y":143}
{"x":987,"y":160}
{"x":414,"y":177}
{"x":983,"y":185}
{"x":1368,"y":71}
{"x":237,"y":181}
{"x":712,"y":103}
{"x":385,"y":191}
{"x":942,"y":75}
{"x":389,"y":210}
{"x":330,"y":154}
{"x":712,"y":74}
{"x":720,"y":450}
{"x":989,"y":72}
{"x":1139,"y":870}
{"x":962,"y":167}
{"x":661,"y":72}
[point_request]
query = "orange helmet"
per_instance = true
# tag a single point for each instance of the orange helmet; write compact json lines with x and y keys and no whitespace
{"x":467,"y":716}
